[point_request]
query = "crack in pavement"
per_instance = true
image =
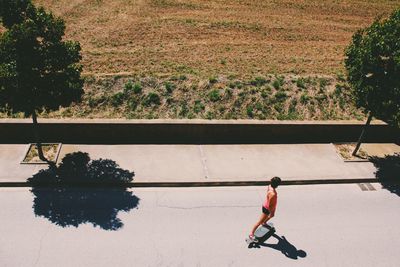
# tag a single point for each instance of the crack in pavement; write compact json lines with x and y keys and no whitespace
{"x":205,"y":207}
{"x":40,"y":245}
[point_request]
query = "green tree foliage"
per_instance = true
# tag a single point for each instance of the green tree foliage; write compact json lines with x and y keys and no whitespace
{"x":38,"y":69}
{"x":373,"y":65}
{"x":14,"y":12}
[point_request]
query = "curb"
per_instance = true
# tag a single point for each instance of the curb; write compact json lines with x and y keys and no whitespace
{"x":194,"y":184}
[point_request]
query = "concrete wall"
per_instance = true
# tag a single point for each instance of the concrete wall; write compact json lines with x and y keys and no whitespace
{"x":192,"y":131}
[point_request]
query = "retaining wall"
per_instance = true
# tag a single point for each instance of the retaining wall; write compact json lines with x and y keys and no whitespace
{"x":17,"y":131}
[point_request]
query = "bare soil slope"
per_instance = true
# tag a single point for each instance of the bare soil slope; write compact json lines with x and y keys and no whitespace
{"x":244,"y":37}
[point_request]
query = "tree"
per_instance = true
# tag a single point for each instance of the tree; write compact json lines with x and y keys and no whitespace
{"x":38,"y":69}
{"x":373,"y":66}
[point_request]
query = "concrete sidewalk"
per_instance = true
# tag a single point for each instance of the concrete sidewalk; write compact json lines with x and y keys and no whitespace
{"x":209,"y":163}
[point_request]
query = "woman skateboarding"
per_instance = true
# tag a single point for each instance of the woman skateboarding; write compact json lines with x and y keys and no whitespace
{"x":269,"y":206}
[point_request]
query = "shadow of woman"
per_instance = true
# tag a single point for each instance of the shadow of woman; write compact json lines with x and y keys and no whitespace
{"x":61,"y":197}
{"x":286,"y":248}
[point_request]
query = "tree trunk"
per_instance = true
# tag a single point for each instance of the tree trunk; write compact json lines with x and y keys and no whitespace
{"x":360,"y":139}
{"x":37,"y":140}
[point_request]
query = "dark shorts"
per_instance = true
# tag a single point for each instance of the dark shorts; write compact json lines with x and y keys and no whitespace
{"x":265,"y":211}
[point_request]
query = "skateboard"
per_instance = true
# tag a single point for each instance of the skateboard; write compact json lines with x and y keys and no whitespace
{"x":262,"y":234}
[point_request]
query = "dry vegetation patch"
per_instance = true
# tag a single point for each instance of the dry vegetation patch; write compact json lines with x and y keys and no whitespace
{"x":345,"y":150}
{"x":50,"y":152}
{"x":214,"y":37}
{"x":217,"y":59}
{"x":282,"y":97}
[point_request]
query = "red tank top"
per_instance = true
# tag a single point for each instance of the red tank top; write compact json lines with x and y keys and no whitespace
{"x":274,"y":199}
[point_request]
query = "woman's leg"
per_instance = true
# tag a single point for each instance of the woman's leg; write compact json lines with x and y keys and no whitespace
{"x":263,"y":217}
{"x":266,"y":220}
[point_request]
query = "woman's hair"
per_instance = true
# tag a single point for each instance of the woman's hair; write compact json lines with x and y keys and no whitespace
{"x":275,"y":182}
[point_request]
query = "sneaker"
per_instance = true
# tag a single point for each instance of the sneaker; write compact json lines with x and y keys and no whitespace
{"x":252,"y":238}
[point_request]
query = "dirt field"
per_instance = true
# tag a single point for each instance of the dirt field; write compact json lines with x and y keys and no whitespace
{"x":218,"y":59}
{"x":204,"y":38}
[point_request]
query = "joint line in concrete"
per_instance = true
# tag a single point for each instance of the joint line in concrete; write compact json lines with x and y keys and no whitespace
{"x":204,"y":162}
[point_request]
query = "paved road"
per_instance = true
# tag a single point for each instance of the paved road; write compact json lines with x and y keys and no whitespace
{"x":317,"y":225}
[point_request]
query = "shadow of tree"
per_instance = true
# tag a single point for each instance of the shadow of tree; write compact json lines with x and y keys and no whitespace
{"x":60,"y":199}
{"x":388,"y":172}
{"x":286,"y":248}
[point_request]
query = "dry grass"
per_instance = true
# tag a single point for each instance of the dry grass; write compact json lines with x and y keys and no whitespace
{"x":282,"y":97}
{"x":345,"y":151}
{"x":242,"y":37}
{"x":49,"y":152}
{"x":188,"y":43}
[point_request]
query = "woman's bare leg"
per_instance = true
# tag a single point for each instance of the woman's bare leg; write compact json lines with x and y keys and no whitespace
{"x":263,"y":217}
{"x":266,"y":219}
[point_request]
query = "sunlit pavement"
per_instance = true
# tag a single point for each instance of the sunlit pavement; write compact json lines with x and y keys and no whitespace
{"x":317,"y":225}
